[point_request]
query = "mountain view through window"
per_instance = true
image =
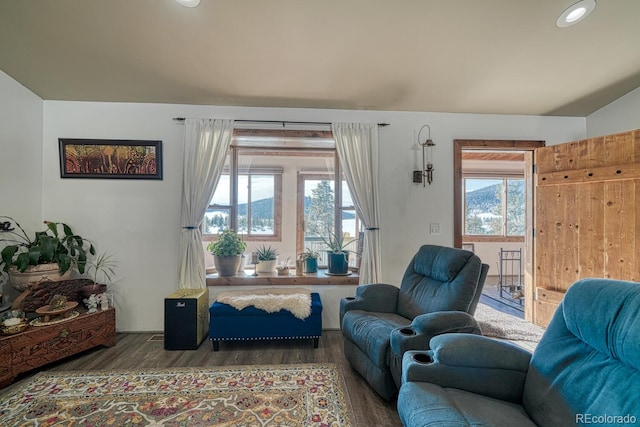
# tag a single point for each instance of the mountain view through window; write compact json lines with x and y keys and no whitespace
{"x":494,"y":207}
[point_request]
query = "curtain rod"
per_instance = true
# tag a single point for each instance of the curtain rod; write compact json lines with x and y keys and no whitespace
{"x":284,"y":122}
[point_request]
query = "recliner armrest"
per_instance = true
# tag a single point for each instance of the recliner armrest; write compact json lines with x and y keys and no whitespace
{"x":426,"y":326}
{"x":371,"y":297}
{"x":473,"y":363}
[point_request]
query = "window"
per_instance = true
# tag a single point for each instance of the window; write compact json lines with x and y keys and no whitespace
{"x":217,"y":216}
{"x":256,"y":204}
{"x":494,"y":207}
{"x":257,"y":209}
{"x":318,"y":214}
{"x":350,"y":221}
{"x":280,"y":190}
{"x":256,"y":215}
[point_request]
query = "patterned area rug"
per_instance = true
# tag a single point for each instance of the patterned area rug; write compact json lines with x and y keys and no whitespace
{"x":276,"y":395}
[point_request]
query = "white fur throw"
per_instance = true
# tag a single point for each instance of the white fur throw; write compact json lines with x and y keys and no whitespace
{"x":271,"y":300}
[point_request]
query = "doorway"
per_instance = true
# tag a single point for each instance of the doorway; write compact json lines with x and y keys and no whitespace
{"x":493,"y":216}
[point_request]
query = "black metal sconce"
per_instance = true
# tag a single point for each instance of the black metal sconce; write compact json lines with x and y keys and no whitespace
{"x":426,"y":174}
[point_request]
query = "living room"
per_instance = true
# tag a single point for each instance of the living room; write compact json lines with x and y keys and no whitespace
{"x":138,"y":221}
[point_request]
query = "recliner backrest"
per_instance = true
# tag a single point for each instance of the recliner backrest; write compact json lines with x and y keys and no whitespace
{"x":587,"y":363}
{"x":476,"y":298}
{"x":439,"y":279}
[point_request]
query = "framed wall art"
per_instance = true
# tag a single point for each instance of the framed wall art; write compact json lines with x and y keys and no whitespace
{"x":110,"y":158}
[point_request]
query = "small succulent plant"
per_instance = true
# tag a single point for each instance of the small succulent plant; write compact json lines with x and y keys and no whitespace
{"x":267,"y":253}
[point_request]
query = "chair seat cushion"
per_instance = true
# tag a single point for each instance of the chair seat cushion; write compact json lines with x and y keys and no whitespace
{"x":371,"y":332}
{"x":425,"y":404}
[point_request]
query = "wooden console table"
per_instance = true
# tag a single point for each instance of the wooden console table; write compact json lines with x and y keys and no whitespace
{"x":39,"y":345}
{"x":272,"y":279}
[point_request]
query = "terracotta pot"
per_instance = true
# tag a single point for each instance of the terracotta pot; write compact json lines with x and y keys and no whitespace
{"x":35,"y":274}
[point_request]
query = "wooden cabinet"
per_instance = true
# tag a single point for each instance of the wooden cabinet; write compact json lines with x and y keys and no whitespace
{"x":39,"y":345}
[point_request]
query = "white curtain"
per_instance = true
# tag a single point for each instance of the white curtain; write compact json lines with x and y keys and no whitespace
{"x":206,"y":145}
{"x":357,"y":147}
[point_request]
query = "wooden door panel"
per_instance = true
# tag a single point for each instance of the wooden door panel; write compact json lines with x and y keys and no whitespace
{"x":568,"y":238}
{"x":545,"y":241}
{"x":529,"y":272}
{"x":619,"y":230}
{"x":587,"y":194}
{"x":591,"y":262}
{"x":547,"y":302}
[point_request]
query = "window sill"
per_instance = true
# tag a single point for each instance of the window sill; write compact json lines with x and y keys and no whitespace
{"x":272,"y":279}
{"x":489,"y":238}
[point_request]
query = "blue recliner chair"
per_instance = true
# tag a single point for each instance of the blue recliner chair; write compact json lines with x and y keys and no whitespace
{"x":438,"y":294}
{"x":584,"y":371}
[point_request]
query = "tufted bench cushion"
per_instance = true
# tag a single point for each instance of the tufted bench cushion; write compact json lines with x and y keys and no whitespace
{"x":227,"y":323}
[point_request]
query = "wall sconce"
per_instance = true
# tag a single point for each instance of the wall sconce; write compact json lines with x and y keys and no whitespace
{"x":427,"y":159}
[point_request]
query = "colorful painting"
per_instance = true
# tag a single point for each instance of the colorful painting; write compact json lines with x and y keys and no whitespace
{"x":109,"y":158}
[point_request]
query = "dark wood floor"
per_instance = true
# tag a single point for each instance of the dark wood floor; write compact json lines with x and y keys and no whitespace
{"x":136,"y":351}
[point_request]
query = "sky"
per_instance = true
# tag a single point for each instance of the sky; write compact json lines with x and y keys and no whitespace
{"x":476,"y":184}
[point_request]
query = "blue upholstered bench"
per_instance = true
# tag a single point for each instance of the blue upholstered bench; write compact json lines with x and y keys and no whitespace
{"x":227,"y":323}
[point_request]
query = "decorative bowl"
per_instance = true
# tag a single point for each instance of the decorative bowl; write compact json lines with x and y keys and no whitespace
{"x":13,"y":329}
{"x":47,"y":310}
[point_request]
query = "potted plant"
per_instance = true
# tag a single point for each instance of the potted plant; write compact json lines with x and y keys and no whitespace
{"x":227,"y":251}
{"x":338,"y":254}
{"x":268,"y":259}
{"x":50,"y":255}
{"x":310,"y":260}
{"x":101,"y":270}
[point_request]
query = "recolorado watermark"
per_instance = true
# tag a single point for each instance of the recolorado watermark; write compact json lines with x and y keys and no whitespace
{"x":605,"y":419}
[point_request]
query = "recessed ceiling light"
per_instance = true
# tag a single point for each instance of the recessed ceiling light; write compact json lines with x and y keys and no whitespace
{"x":188,"y":3}
{"x":576,"y":13}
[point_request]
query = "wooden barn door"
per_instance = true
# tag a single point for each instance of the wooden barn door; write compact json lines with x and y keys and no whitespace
{"x":587,"y":194}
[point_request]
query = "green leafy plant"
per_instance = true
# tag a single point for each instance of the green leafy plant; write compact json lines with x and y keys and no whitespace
{"x":228,"y":243}
{"x":103,"y":266}
{"x":308,"y":253}
{"x":49,"y":246}
{"x":267,"y":253}
{"x":337,"y":243}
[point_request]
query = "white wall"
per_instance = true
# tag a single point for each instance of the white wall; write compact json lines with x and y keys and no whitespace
{"x":136,"y":220}
{"x":621,"y":115}
{"x":20,"y":157}
{"x":489,"y":253}
{"x":20,"y":153}
{"x":139,"y":220}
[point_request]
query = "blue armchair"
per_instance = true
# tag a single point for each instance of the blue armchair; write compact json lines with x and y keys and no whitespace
{"x":585,"y":370}
{"x":438,"y":294}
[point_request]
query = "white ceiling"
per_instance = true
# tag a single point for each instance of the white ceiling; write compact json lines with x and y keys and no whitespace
{"x":467,"y":56}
